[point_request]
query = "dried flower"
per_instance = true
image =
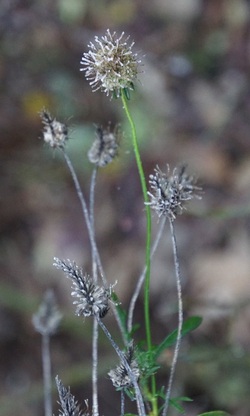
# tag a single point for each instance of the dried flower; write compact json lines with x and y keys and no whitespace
{"x":119,"y":376}
{"x":110,"y":64}
{"x":91,"y":298}
{"x":171,"y":191}
{"x":105,"y":147}
{"x":69,"y":404}
{"x":54,"y":132}
{"x":48,"y":317}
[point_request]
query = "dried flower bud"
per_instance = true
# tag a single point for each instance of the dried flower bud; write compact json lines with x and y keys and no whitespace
{"x":171,"y":191}
{"x":110,"y":64}
{"x":54,"y":132}
{"x":119,"y":376}
{"x":69,"y":404}
{"x":48,"y":317}
{"x":91,"y":298}
{"x":105,"y":147}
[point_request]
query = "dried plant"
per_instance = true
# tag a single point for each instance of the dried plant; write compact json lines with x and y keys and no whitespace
{"x":112,"y":67}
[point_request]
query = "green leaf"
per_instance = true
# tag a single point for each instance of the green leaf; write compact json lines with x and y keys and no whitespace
{"x":175,"y":403}
{"x":189,"y":325}
{"x":214,"y":413}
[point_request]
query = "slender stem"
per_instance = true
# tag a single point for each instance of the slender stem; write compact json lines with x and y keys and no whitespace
{"x":122,"y":403}
{"x":148,"y":216}
{"x":92,"y":197}
{"x":142,"y":277}
{"x":94,"y":248}
{"x":86,"y":215}
{"x":46,"y":360}
{"x":95,"y":334}
{"x":180,"y":318}
{"x":148,"y":242}
{"x":139,"y":399}
{"x":95,"y":406}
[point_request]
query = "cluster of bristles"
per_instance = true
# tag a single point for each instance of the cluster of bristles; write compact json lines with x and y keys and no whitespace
{"x":91,"y":299}
{"x":171,"y":191}
{"x":110,"y":64}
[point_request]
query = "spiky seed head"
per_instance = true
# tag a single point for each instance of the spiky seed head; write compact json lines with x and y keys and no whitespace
{"x":105,"y":146}
{"x":91,"y":299}
{"x":110,"y":64}
{"x":55,"y":133}
{"x":119,"y":376}
{"x":170,"y":191}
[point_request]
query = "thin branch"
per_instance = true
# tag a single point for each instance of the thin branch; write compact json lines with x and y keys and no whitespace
{"x":139,"y":399}
{"x":95,"y":334}
{"x":86,"y":216}
{"x":142,"y":277}
{"x":180,"y":318}
{"x":92,"y":197}
{"x":91,"y":235}
{"x":46,"y":361}
{"x":122,"y":403}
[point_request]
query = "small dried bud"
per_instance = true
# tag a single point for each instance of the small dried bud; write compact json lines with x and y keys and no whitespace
{"x":119,"y":376}
{"x":69,"y":404}
{"x":171,"y":191}
{"x":110,"y":64}
{"x":91,"y":298}
{"x":48,"y":317}
{"x":54,"y":132}
{"x":105,"y":147}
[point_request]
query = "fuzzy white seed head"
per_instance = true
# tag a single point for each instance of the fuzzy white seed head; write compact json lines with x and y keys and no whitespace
{"x":110,"y":64}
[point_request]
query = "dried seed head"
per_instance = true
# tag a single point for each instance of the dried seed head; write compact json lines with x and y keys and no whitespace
{"x":91,"y":298}
{"x":69,"y":405}
{"x":105,"y":147}
{"x":110,"y":64}
{"x":171,"y":191}
{"x":54,"y":132}
{"x":48,"y":317}
{"x":119,"y":376}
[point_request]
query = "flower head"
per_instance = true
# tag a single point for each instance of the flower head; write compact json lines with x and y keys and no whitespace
{"x":110,"y":64}
{"x":91,"y":298}
{"x":69,"y":404}
{"x":105,"y":147}
{"x":48,"y":317}
{"x":171,"y":191}
{"x":119,"y":376}
{"x":54,"y":132}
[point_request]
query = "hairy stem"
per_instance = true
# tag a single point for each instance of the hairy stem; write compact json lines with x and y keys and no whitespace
{"x":180,"y":318}
{"x":122,"y":403}
{"x":95,"y":406}
{"x":139,"y":399}
{"x":86,"y":215}
{"x":95,"y":334}
{"x":91,"y":235}
{"x":46,"y":361}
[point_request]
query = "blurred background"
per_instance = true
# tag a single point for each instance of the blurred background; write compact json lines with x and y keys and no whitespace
{"x":192,"y":105}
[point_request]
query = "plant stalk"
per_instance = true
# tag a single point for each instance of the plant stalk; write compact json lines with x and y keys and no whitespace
{"x":148,"y":243}
{"x":180,"y":318}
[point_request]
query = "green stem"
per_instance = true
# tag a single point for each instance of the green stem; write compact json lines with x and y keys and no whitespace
{"x":148,"y":240}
